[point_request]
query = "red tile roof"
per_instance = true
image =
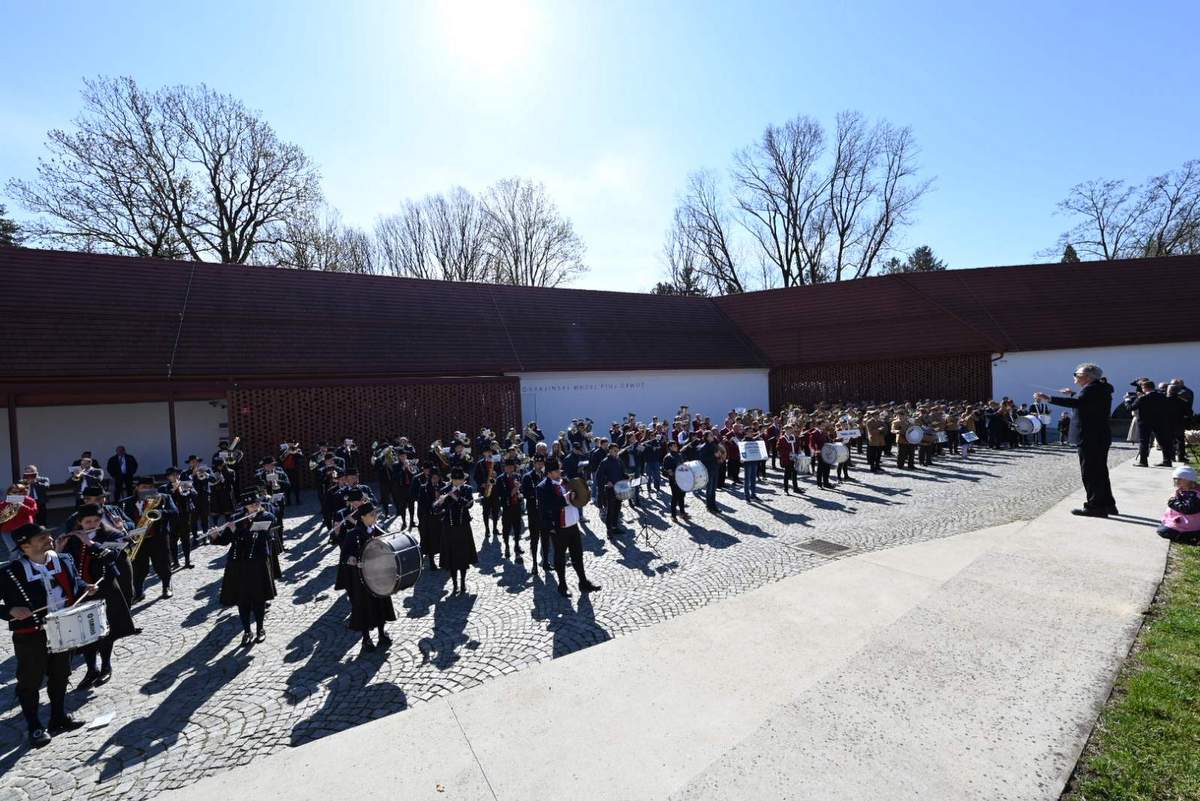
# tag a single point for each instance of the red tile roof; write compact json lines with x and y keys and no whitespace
{"x":117,"y":316}
{"x":112,"y":316}
{"x":1000,"y":309}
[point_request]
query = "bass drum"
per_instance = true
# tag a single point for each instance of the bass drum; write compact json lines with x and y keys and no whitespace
{"x":914,"y":435}
{"x":1028,"y":424}
{"x":691,"y":476}
{"x":391,"y":563}
{"x":835,"y":453}
{"x":623,"y":490}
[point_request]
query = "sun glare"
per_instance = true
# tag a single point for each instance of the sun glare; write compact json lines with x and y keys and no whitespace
{"x":488,"y":34}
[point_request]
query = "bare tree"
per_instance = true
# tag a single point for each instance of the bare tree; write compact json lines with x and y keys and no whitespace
{"x":702,"y":226}
{"x":181,"y":172}
{"x":682,"y":275}
{"x":319,"y":241}
{"x":815,"y":216}
{"x":402,"y":243}
{"x":458,"y":231}
{"x":529,"y":242}
{"x":1116,"y":220}
{"x":776,"y":189}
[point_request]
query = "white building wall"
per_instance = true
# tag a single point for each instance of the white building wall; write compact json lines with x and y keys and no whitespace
{"x":1018,"y":375}
{"x":53,"y":436}
{"x":553,"y":399}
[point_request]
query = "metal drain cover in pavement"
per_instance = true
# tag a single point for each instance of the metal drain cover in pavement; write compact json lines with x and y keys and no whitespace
{"x":823,"y":547}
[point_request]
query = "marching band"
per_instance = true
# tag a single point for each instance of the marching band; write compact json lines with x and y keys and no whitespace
{"x":515,"y":483}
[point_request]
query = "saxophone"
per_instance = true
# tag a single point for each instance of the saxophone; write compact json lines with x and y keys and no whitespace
{"x":150,"y":516}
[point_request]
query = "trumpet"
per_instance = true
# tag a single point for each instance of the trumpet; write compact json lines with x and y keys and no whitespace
{"x":231,"y":455}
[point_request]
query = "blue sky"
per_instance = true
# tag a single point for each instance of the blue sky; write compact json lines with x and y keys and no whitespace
{"x":612,"y":104}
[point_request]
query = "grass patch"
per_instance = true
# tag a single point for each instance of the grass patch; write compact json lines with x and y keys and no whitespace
{"x":1146,"y":745}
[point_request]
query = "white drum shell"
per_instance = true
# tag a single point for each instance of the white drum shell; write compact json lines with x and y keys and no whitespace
{"x":1029,"y":424}
{"x":691,"y":476}
{"x":82,"y":624}
{"x":835,"y":453}
{"x":623,"y":490}
{"x":914,"y":435}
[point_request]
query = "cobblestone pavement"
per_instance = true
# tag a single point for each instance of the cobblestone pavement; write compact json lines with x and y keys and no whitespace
{"x":188,"y":701}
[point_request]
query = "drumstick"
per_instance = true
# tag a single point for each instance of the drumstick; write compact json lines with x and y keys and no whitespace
{"x":47,"y":606}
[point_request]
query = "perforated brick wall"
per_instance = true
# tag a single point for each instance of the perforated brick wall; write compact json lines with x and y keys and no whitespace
{"x":952,"y":377}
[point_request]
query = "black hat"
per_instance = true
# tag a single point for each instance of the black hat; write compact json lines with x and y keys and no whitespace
{"x":355,"y":495}
{"x":143,"y":480}
{"x":552,"y":465}
{"x":23,"y":534}
{"x":250,"y":497}
{"x":458,"y":472}
{"x":172,"y":470}
{"x":365,"y":509}
{"x":266,"y":460}
{"x":218,"y":460}
{"x":426,"y":465}
{"x":537,"y":457}
{"x":193,"y":457}
{"x":88,"y":510}
{"x":511,"y":460}
{"x":92,"y":492}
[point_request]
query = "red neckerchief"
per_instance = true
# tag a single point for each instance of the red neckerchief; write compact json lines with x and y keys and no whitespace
{"x":64,"y":581}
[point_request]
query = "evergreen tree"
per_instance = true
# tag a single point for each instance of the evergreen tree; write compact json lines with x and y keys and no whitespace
{"x":921,"y":260}
{"x":1069,"y":255}
{"x":10,"y":232}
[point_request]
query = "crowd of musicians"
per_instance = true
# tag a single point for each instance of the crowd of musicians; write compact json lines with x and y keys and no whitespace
{"x":525,"y":488}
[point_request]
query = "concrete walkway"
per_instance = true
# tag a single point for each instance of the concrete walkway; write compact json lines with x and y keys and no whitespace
{"x":971,"y":667}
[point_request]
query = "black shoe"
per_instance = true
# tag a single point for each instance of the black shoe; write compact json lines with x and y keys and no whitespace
{"x":260,"y":636}
{"x":137,"y":599}
{"x":1112,"y":510}
{"x":174,"y":565}
{"x":188,"y":566}
{"x":64,"y":724}
{"x":1165,"y":464}
{"x":589,"y":587}
{"x":384,"y":641}
{"x":166,"y":593}
{"x":39,"y":738}
{"x":1090,"y":512}
{"x":137,"y":630}
{"x":105,"y":675}
{"x":88,"y":681}
{"x":246,"y":638}
{"x":368,"y":647}
{"x":563,"y":591}
{"x":1142,"y":464}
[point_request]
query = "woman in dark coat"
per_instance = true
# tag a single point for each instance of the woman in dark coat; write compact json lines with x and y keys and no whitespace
{"x":101,"y":566}
{"x":367,"y":610}
{"x":248,"y":583}
{"x":458,"y":543}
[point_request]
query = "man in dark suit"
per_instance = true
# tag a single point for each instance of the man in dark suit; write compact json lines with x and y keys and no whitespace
{"x":1093,"y":408}
{"x":122,"y":467}
{"x":1151,"y":408}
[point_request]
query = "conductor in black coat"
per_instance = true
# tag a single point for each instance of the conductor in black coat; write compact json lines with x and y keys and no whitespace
{"x":1093,"y":408}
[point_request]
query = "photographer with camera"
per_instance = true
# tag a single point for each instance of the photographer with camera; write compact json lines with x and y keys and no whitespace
{"x":1154,"y":420}
{"x":1092,"y":406}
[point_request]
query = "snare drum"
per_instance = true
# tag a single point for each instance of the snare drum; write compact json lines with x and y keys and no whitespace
{"x":833,"y":453}
{"x":82,"y":624}
{"x":391,"y":563}
{"x":691,"y":476}
{"x":623,"y":490}
{"x":914,"y":434}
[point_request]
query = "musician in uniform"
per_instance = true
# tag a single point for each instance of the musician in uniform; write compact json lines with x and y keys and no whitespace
{"x":533,"y":512}
{"x":484,"y":476}
{"x":39,"y":490}
{"x":38,"y":582}
{"x":247,"y":582}
{"x":429,"y":489}
{"x":678,"y":497}
{"x":367,"y":610}
{"x":904,"y":449}
{"x":154,"y":551}
{"x":180,"y":527}
{"x":875,"y":441}
{"x":608,"y":473}
{"x":275,"y":480}
{"x":202,"y":480}
{"x":327,"y":473}
{"x":458,"y":547}
{"x":99,"y":556}
{"x":223,"y":491}
{"x":560,"y":519}
{"x":348,"y":453}
{"x":787,"y":450}
{"x":347,"y":519}
{"x":404,"y":486}
{"x":18,"y":509}
{"x":292,"y":461}
{"x":508,"y":494}
{"x":88,"y":474}
{"x":707,"y":454}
